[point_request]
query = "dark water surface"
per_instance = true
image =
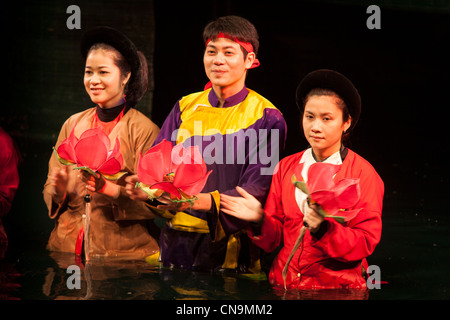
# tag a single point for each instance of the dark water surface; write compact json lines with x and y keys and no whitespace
{"x":413,"y":255}
{"x":413,"y":259}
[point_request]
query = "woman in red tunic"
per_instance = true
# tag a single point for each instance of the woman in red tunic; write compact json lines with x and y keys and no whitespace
{"x":332,"y":254}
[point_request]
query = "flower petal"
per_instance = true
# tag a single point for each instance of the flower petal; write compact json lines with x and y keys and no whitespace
{"x":115,"y":152}
{"x":320,"y":176}
{"x":101,"y":135}
{"x":72,"y":138}
{"x":114,"y":162}
{"x":191,"y":173}
{"x":66,"y":151}
{"x":110,"y":167}
{"x":62,"y":160}
{"x":298,"y":172}
{"x":91,"y":152}
{"x":162,"y":152}
{"x":177,"y":156}
{"x":327,"y":200}
{"x":168,"y":187}
{"x":347,"y":192}
{"x":150,"y":168}
{"x":196,"y":187}
{"x":66,"y":148}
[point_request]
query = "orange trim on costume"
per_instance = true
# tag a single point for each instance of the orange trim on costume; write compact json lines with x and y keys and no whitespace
{"x":107,"y":127}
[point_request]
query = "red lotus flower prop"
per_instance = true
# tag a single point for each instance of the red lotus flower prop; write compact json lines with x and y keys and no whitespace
{"x":179,"y":171}
{"x":334,"y":199}
{"x":91,"y":152}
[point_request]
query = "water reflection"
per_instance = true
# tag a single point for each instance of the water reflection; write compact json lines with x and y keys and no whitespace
{"x":138,"y":280}
{"x":9,"y":285}
{"x":404,"y":257}
{"x":323,"y":294}
{"x":100,"y":280}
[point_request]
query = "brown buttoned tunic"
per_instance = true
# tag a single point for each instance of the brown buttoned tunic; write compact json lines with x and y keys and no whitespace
{"x":119,"y":228}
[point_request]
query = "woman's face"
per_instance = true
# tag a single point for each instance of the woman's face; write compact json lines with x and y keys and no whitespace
{"x":103,"y":80}
{"x":323,"y":125}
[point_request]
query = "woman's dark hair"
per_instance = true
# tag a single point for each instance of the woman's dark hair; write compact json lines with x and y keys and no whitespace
{"x":137,"y":85}
{"x":339,"y":101}
{"x":235,"y":27}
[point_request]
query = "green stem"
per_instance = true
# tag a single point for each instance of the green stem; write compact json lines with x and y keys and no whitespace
{"x":291,"y":255}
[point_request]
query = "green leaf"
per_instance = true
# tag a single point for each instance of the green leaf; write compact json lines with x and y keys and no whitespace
{"x":300,"y":185}
{"x":293,"y":179}
{"x":88,"y":170}
{"x":190,"y":200}
{"x":338,"y":219}
{"x":62,"y":160}
{"x":151,"y":193}
{"x":322,"y":212}
{"x":114,"y":177}
{"x":261,"y":276}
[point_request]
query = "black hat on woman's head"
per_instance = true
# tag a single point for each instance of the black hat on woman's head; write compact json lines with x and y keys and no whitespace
{"x":115,"y":39}
{"x":336,"y":82}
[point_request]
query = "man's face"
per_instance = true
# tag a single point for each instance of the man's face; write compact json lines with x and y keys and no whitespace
{"x":225,"y":65}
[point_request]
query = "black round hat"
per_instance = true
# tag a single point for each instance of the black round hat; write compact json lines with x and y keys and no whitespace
{"x":115,"y":39}
{"x":334,"y":81}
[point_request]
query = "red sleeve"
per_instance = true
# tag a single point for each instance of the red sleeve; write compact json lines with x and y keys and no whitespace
{"x":357,"y":239}
{"x":274,"y":218}
{"x":272,"y":227}
{"x":9,"y":175}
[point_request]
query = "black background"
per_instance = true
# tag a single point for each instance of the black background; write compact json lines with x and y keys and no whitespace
{"x":400,"y":70}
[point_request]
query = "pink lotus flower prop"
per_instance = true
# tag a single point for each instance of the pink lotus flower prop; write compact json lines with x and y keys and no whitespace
{"x":179,"y":171}
{"x":334,"y":199}
{"x":91,"y":152}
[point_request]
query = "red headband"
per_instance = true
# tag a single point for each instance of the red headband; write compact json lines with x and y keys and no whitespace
{"x":246,"y":45}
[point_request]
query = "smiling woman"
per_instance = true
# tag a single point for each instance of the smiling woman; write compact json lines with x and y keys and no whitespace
{"x":115,"y":79}
{"x":103,"y":79}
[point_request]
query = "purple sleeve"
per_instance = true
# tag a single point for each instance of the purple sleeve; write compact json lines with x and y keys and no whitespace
{"x":257,"y":176}
{"x":170,"y":125}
